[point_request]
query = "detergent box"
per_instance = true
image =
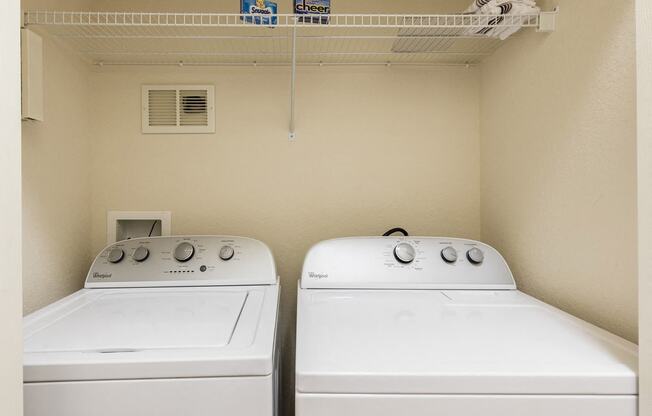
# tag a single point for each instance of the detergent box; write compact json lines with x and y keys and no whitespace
{"x":317,"y":9}
{"x":263,"y":12}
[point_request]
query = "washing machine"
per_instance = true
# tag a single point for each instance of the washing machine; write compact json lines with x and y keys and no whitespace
{"x":426,"y":326}
{"x":164,"y":326}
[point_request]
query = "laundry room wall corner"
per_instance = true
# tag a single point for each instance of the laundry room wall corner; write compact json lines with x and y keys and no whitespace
{"x":56,"y":178}
{"x":558,"y":134}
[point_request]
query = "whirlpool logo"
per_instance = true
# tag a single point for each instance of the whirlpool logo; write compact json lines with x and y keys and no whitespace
{"x":314,"y":275}
{"x":97,"y":275}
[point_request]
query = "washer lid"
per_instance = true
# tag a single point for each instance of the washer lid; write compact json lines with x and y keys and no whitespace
{"x":453,"y":342}
{"x":158,"y":332}
{"x":142,"y":320}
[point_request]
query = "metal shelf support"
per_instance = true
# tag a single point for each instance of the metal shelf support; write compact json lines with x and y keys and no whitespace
{"x":548,"y":20}
{"x":293,"y":78}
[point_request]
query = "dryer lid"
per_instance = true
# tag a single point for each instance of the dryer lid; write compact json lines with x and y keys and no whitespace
{"x":453,"y":342}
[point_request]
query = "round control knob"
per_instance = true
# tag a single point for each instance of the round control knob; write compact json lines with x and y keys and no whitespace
{"x":226,"y":253}
{"x":184,"y":252}
{"x":475,"y":255}
{"x":116,"y":255}
{"x":140,"y":254}
{"x":404,"y":253}
{"x":449,"y":254}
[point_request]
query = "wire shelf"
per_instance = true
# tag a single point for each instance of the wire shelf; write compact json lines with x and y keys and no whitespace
{"x":118,"y":38}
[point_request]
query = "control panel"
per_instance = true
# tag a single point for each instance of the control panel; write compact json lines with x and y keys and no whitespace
{"x":405,"y":263}
{"x":183,"y":261}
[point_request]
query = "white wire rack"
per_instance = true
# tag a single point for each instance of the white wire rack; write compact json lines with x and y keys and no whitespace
{"x":118,"y":38}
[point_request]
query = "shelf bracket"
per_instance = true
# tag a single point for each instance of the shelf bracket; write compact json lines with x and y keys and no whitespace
{"x":548,"y":20}
{"x":292,"y":134}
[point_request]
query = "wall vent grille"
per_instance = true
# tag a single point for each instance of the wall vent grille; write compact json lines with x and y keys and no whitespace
{"x":178,"y":109}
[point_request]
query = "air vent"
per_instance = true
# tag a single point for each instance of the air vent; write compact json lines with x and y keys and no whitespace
{"x":178,"y":109}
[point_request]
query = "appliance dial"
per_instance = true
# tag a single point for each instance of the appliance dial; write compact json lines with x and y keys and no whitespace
{"x":226,"y":253}
{"x":140,"y":254}
{"x":475,"y":255}
{"x":449,"y":254}
{"x":116,"y":255}
{"x":404,"y":253}
{"x":184,"y":252}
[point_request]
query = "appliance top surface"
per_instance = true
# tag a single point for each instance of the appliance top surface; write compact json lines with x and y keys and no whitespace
{"x":159,"y":332}
{"x":388,"y":328}
{"x":139,"y":319}
{"x":183,"y":261}
{"x":431,"y":341}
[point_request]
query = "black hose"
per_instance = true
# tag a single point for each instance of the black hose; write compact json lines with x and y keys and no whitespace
{"x":152,"y":229}
{"x":396,"y":230}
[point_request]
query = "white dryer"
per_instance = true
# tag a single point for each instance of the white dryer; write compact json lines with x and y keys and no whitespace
{"x":164,"y":326}
{"x":435,"y":326}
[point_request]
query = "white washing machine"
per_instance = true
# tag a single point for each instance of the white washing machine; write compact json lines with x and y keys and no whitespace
{"x":164,"y":326}
{"x":435,"y":326}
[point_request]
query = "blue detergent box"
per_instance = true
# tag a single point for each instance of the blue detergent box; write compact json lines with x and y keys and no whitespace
{"x":263,"y":12}
{"x":319,"y":10}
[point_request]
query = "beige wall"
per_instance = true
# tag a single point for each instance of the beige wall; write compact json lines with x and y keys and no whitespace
{"x":644,"y":90}
{"x":56,"y":184}
{"x":559,"y":162}
{"x":365,"y":159}
{"x":68,"y":5}
{"x":56,"y":177}
{"x":11,"y":397}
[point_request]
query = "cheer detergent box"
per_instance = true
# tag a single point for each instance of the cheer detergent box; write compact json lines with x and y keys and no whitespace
{"x":263,"y":12}
{"x":317,"y":9}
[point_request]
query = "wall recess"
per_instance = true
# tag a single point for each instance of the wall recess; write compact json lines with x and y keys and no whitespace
{"x":125,"y":225}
